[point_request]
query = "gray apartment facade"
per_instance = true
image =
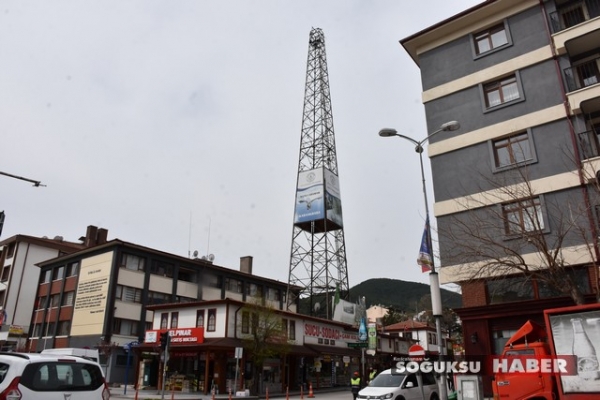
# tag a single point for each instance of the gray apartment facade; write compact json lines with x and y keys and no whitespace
{"x":515,"y":187}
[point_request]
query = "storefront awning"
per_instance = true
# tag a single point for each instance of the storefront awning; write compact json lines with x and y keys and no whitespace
{"x":338,"y":351}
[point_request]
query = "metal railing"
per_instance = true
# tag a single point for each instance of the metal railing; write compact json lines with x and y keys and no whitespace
{"x":588,"y":141}
{"x":573,"y":13}
{"x":582,"y":75}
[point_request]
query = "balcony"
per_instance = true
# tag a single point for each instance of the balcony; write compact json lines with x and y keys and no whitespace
{"x":588,"y":141}
{"x":582,"y":75}
{"x":573,"y":13}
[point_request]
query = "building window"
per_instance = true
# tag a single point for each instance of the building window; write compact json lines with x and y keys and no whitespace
{"x":162,"y":268}
{"x":37,"y":330}
{"x":200,"y":318}
{"x":54,"y":300}
{"x":128,"y":294}
{"x":67,"y":299}
{"x":45,"y":276}
{"x":131,"y":262}
{"x":292,"y":330}
{"x":284,"y":327}
{"x":58,"y":273}
{"x":579,"y":276}
{"x":213,"y":281}
{"x":125,"y":327}
{"x":158,"y":297}
{"x":502,"y":91}
{"x":73,"y":269}
{"x":245,"y":322}
{"x":254,"y":290}
{"x":174,"y":320}
{"x":491,"y":38}
{"x":273,"y":294}
{"x":64,"y":328}
{"x":5,"y":273}
{"x":233,"y":285}
{"x":513,"y":150}
{"x":41,"y":303}
{"x":212,"y":320}
{"x":523,"y":216}
{"x":507,"y":290}
{"x":164,"y":320}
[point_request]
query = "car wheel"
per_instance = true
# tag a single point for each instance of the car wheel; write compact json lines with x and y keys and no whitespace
{"x":434,"y":396}
{"x":400,"y":398}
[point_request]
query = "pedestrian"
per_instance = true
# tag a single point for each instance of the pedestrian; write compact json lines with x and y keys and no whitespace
{"x":355,"y":384}
{"x":372,"y":374}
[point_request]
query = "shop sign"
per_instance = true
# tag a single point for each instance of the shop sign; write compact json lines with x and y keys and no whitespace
{"x":178,"y":336}
{"x":326,"y":332}
{"x":15,"y":330}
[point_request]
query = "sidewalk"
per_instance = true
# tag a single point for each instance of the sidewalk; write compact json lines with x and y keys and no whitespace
{"x":117,"y":393}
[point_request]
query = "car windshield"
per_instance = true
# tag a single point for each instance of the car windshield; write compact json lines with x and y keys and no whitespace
{"x":387,"y":380}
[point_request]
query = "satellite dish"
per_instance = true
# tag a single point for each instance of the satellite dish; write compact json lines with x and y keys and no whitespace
{"x":195,"y":253}
{"x":211,"y":257}
{"x":317,"y":306}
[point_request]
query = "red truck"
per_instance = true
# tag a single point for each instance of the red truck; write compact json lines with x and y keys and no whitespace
{"x":558,"y":361}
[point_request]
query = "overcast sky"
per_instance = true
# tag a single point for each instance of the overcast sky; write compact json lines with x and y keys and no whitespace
{"x":176,"y":124}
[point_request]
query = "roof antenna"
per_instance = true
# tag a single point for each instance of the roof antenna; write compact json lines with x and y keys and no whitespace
{"x":190,"y":236}
{"x":208,"y":242}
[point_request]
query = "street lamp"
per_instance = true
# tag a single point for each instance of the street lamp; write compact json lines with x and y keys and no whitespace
{"x":434,"y":281}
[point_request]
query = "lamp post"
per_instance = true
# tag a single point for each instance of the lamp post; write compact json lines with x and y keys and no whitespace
{"x":434,"y":281}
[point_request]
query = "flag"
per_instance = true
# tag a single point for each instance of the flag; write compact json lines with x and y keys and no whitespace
{"x":425,"y":259}
{"x":336,"y":299}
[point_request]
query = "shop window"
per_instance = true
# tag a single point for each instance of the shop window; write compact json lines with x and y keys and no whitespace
{"x":507,"y":290}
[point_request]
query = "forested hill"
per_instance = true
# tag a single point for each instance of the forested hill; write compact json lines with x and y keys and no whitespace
{"x":401,"y":295}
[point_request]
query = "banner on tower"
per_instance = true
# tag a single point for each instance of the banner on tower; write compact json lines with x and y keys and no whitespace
{"x":310,"y":202}
{"x":333,"y":199}
{"x":344,"y":311}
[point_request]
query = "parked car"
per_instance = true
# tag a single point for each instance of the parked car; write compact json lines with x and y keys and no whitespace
{"x":51,"y":377}
{"x":393,"y":385}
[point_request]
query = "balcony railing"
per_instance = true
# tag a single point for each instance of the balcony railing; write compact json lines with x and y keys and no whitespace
{"x":582,"y":75}
{"x":573,"y":13}
{"x":589,"y":144}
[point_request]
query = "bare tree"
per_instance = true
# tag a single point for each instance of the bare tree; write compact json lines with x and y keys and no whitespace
{"x":267,"y":335}
{"x":509,"y":229}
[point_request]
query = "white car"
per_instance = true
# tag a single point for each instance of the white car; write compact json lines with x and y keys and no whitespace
{"x":26,"y":376}
{"x":391,"y":385}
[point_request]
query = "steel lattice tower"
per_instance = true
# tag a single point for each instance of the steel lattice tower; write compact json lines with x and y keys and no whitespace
{"x":318,"y":254}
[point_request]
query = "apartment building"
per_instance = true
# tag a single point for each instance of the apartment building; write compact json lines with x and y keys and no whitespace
{"x":516,"y":188}
{"x":19,"y":255}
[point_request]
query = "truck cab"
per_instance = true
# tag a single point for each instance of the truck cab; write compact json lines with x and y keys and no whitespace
{"x":510,"y":383}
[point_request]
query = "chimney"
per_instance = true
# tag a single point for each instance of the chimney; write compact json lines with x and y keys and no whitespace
{"x":91,"y":236}
{"x":246,"y":264}
{"x":94,"y":236}
{"x":101,"y":236}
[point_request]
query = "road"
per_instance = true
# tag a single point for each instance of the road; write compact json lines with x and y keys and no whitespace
{"x":117,"y":393}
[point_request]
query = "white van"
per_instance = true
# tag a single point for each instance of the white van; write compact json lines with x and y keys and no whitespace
{"x":88,"y":354}
{"x":393,"y":385}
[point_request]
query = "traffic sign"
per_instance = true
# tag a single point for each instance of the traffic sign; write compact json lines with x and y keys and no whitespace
{"x":358,"y":345}
{"x":416,"y":352}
